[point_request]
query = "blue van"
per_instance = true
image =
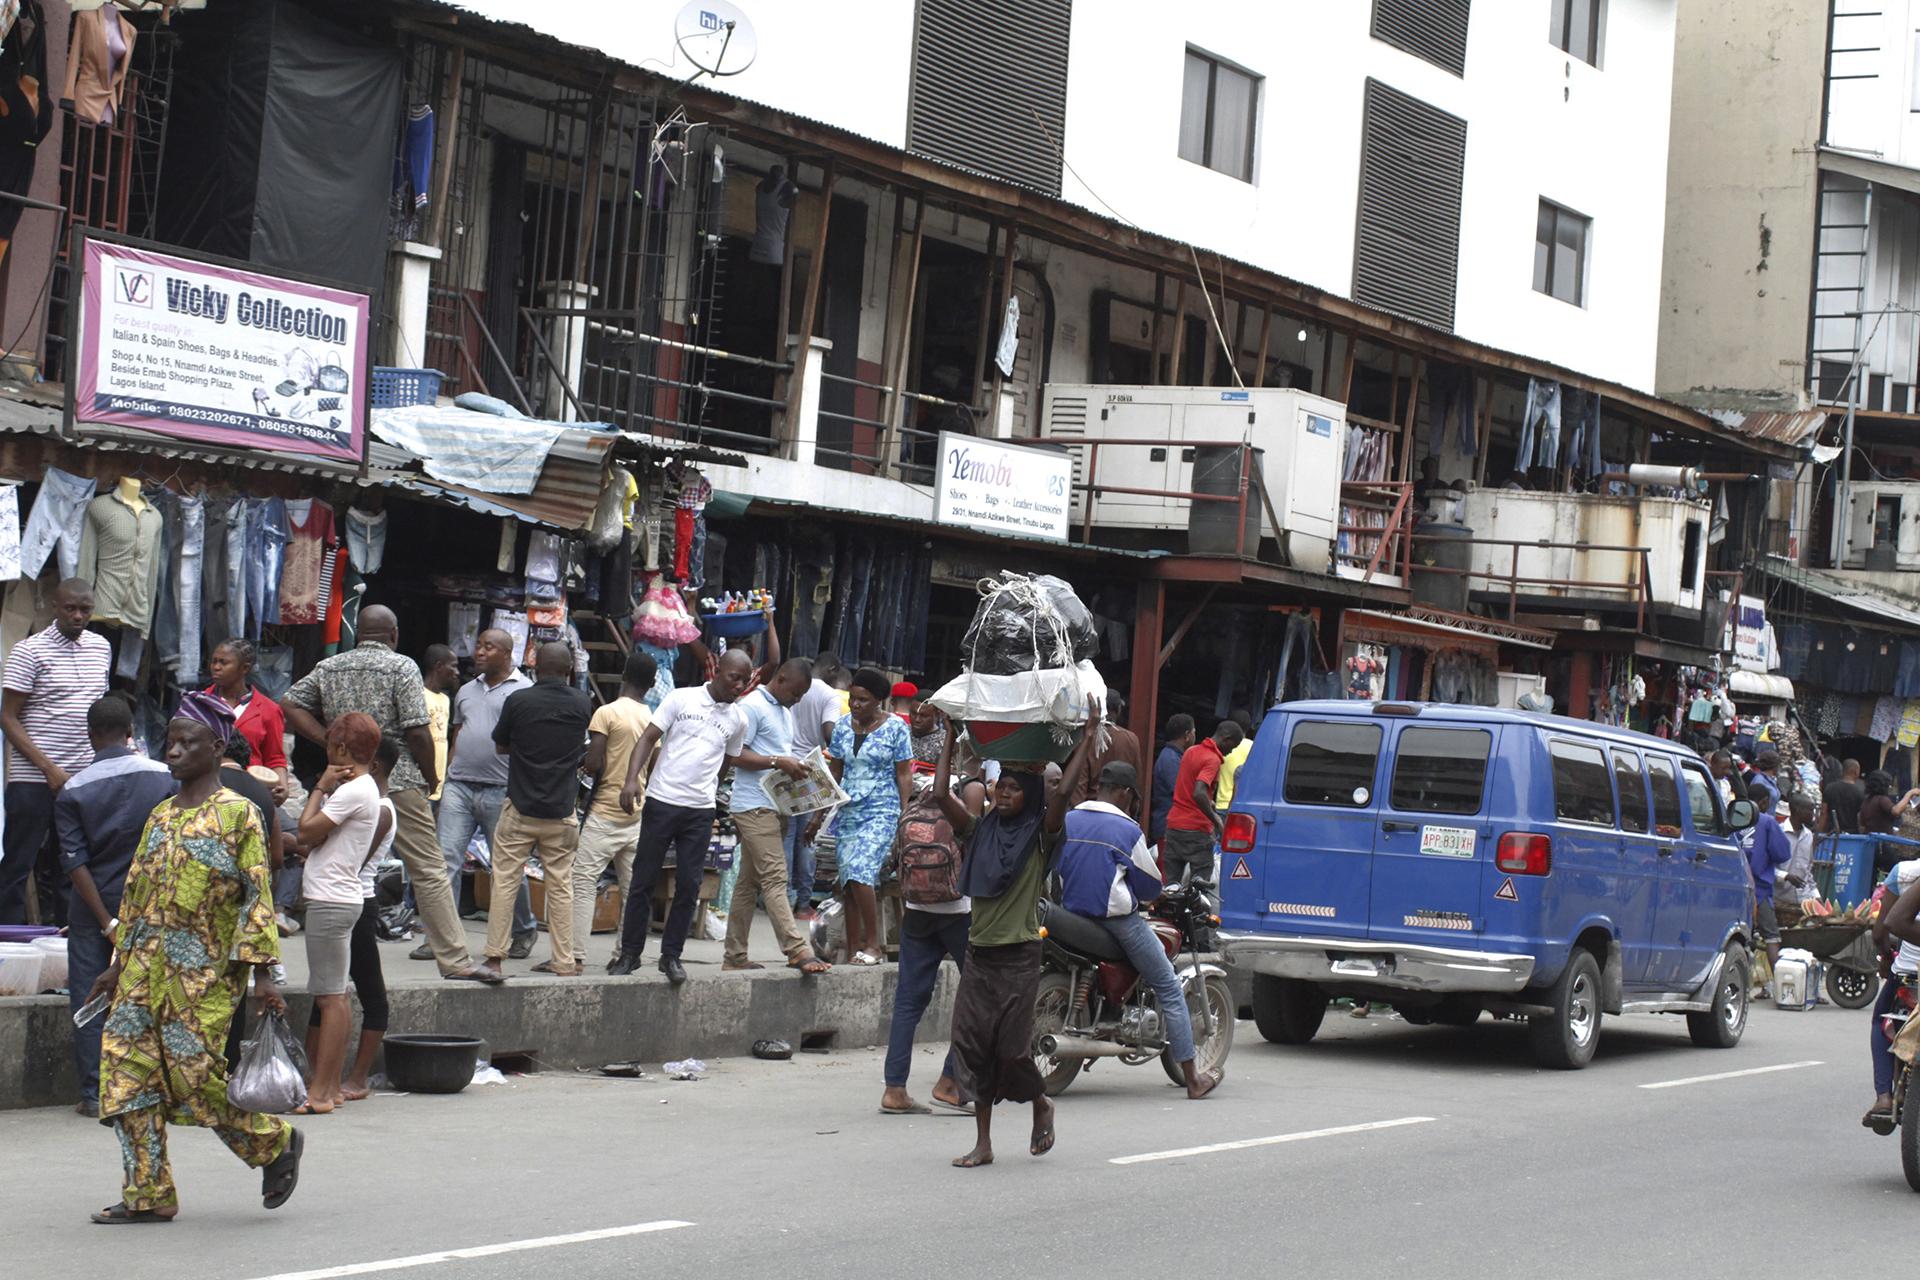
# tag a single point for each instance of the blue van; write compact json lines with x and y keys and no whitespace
{"x":1452,"y":860}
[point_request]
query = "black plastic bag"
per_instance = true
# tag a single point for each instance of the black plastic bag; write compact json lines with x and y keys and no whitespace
{"x":1028,"y":624}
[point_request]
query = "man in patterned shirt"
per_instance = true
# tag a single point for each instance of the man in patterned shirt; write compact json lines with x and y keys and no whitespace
{"x":375,"y":680}
{"x":51,"y":678}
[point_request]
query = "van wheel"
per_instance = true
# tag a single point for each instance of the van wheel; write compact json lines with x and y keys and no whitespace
{"x":1287,"y":1010}
{"x":1566,"y":1038}
{"x":1721,"y":1026}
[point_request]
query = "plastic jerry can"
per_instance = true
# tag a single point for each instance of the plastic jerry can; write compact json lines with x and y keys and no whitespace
{"x":1793,"y":984}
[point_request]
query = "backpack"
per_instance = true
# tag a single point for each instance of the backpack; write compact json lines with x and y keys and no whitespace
{"x":929,"y":853}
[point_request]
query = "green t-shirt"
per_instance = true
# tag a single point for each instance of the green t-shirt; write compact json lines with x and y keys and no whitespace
{"x":1014,"y":916}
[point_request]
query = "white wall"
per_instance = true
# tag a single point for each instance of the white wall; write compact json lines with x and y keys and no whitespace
{"x":1870,"y":102}
{"x":1539,"y":124}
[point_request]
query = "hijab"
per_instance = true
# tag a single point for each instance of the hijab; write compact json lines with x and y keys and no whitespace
{"x":1000,"y":846}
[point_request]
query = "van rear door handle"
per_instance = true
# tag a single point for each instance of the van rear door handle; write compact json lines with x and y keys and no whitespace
{"x":1701,"y":857}
{"x":1399,"y":826}
{"x":1666,"y":851}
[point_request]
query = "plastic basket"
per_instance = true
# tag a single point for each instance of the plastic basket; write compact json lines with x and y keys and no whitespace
{"x":396,"y":388}
{"x":735,"y":626}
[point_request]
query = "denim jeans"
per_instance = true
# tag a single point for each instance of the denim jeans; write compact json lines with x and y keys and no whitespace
{"x":88,"y":955}
{"x":366,"y":539}
{"x":853,"y":607}
{"x":215,"y":617}
{"x":800,"y":866}
{"x":29,"y":819}
{"x":467,"y":807}
{"x":58,"y":518}
{"x":266,"y":548}
{"x":1881,"y":1047}
{"x":926,"y":938}
{"x":236,"y":534}
{"x":188,"y":541}
{"x":1450,"y":393}
{"x":1542,"y":412}
{"x":1149,"y":958}
{"x":687,"y":832}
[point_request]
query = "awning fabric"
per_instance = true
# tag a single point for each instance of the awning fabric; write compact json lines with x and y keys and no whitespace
{"x":1759,"y":686}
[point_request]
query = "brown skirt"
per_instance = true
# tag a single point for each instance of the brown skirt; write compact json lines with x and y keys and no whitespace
{"x":993,"y":1023}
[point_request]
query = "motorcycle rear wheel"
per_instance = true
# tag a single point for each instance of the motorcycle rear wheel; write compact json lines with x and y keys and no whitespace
{"x":1209,"y":1051}
{"x":1910,"y":1131}
{"x":1050,"y":1008}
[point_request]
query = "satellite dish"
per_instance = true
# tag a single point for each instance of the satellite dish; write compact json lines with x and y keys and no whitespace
{"x":716,"y":37}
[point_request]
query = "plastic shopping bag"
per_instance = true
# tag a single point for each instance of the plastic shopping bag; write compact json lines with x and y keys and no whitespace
{"x":272,"y":1071}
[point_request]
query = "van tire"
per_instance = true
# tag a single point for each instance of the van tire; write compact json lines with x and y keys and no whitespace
{"x":1287,"y":1010}
{"x":1566,"y":1038}
{"x":1722,"y":1026}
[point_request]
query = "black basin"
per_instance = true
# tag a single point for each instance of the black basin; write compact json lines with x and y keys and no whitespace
{"x":432,"y":1063}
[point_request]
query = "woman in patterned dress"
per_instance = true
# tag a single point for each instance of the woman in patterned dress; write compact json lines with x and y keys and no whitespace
{"x":196,"y":922}
{"x":871,"y":753}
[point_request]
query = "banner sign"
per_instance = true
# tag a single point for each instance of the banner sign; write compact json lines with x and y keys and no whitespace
{"x":1004,"y":488}
{"x":220,"y":354}
{"x":1752,"y":637}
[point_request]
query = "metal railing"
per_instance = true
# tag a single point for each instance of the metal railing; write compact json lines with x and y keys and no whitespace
{"x":1251,"y":485}
{"x":879,"y":445}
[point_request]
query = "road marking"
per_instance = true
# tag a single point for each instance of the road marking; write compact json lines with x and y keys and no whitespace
{"x":1244,"y":1143}
{"x":1731,"y":1075}
{"x":478,"y":1251}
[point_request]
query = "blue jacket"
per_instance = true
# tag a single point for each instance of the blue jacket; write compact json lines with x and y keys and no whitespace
{"x":1104,"y":865}
{"x":1166,"y":776}
{"x":1768,"y":849}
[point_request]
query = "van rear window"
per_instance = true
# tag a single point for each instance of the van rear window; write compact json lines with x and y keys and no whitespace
{"x":1440,"y":770}
{"x":1332,"y":763}
{"x":1581,"y":789}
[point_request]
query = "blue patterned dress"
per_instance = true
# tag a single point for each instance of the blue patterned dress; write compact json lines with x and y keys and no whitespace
{"x":864,"y":829}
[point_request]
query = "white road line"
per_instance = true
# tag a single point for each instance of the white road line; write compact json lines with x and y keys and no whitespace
{"x":1244,"y":1143}
{"x":477,"y":1251}
{"x":1732,"y":1075}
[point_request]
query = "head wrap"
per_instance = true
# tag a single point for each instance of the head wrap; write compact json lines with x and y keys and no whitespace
{"x":209,"y":710}
{"x":1001,"y":846}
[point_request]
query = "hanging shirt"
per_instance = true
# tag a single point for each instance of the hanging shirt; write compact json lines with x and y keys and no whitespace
{"x":310,"y":535}
{"x":120,"y":555}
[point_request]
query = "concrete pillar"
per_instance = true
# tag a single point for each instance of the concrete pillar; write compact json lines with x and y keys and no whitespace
{"x":567,"y":339}
{"x":1003,"y":405}
{"x":408,"y":347}
{"x":803,"y":433}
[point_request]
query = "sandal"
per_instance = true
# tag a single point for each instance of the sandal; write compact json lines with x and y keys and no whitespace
{"x":810,"y":967}
{"x":740,"y":968}
{"x":475,"y":975}
{"x":1879,"y":1120}
{"x":278,"y":1179}
{"x":912,"y":1109}
{"x":118,"y":1215}
{"x":308,"y":1109}
{"x":866,"y":959}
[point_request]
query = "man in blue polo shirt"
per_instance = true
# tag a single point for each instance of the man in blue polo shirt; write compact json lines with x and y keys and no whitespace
{"x":99,"y":817}
{"x":1108,"y":874}
{"x":762,"y":829}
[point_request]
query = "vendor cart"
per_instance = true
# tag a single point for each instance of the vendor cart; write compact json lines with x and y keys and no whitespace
{"x":1846,"y":951}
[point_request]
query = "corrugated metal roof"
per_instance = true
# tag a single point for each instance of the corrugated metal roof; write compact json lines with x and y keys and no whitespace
{"x":1788,"y":428}
{"x":563,"y":497}
{"x":1844,"y":591}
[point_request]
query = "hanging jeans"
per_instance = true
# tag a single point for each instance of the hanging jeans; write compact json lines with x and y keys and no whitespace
{"x":215,"y":617}
{"x":853,"y":615}
{"x":266,"y":554}
{"x":59,"y":515}
{"x":1450,"y":392}
{"x":1541,"y":415}
{"x":236,"y":536}
{"x":189,"y":560}
{"x":166,"y":613}
{"x":812,"y":580}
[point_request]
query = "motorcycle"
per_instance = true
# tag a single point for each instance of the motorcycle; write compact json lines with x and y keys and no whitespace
{"x":1092,"y":1003}
{"x":1906,"y":1108}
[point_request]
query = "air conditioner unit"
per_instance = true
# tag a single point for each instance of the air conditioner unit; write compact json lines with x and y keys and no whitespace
{"x":1300,"y":439}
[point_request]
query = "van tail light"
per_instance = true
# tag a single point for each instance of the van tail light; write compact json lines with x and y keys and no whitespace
{"x":1240,"y":833}
{"x":1524,"y":854}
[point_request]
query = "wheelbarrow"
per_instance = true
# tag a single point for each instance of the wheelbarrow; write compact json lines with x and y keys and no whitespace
{"x":1853,"y":968}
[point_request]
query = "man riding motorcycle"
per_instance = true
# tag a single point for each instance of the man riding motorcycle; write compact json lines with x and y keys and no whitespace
{"x":1106,"y":875}
{"x":1896,"y":925}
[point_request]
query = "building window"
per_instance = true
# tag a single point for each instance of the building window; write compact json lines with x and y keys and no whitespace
{"x":1218,"y":106}
{"x":1577,"y":27}
{"x":1435,"y":30}
{"x":1560,"y":254}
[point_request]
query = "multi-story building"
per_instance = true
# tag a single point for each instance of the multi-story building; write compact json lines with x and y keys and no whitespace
{"x":1791,"y":310}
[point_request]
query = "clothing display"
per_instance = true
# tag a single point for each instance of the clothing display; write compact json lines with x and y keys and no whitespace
{"x":29,"y":114}
{"x":9,"y":532}
{"x":310,"y":536}
{"x":57,"y":522}
{"x":99,"y":55}
{"x":366,"y":539}
{"x":1539,"y":420}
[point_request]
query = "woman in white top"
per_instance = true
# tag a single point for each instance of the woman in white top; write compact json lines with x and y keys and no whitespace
{"x":339,"y":825}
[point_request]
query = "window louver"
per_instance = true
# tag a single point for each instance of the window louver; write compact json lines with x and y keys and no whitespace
{"x":1435,"y":30}
{"x":1406,"y":254}
{"x":982,"y":72}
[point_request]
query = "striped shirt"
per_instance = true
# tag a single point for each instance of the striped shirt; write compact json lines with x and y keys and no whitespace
{"x":61,"y":679}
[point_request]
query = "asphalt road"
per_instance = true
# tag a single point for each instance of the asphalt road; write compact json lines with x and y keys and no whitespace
{"x":1493,"y":1169}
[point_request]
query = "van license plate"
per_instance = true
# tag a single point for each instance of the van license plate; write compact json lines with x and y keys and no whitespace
{"x":1447,"y":842}
{"x":1356,"y":968}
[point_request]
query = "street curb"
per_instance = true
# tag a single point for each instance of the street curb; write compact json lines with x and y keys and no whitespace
{"x":562,"y":1023}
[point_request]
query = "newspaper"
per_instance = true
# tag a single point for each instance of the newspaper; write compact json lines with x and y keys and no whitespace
{"x":815,"y":791}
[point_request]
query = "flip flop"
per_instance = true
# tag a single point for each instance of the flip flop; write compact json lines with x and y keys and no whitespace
{"x":810,"y":968}
{"x":307,"y":1109}
{"x":740,"y":968}
{"x":956,"y":1108}
{"x":917,"y":1109}
{"x":118,"y":1215}
{"x":474,"y":975}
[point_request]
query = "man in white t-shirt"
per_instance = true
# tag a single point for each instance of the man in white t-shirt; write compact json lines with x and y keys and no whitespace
{"x":813,"y":717}
{"x":1896,"y":924}
{"x":697,"y":732}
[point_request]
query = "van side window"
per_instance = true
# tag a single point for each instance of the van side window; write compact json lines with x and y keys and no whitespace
{"x":1333,"y":763}
{"x":1633,"y":792}
{"x":1704,"y":800}
{"x":1581,"y":790}
{"x":1440,"y":770}
{"x":1666,"y":799}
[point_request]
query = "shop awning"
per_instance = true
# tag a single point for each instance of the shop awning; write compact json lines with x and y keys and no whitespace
{"x":1759,"y":686}
{"x":563,"y":497}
